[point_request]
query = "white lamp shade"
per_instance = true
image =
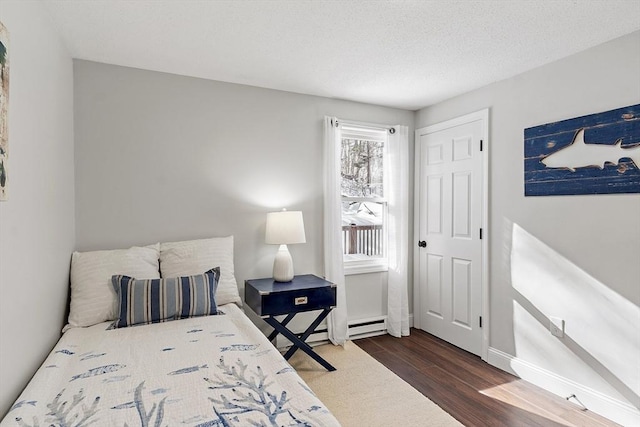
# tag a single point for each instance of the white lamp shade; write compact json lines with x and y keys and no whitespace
{"x":285,"y":228}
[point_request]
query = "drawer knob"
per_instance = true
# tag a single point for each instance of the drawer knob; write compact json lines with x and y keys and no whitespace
{"x":300,"y":300}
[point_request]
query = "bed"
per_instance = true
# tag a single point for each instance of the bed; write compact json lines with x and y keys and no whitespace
{"x":201,"y":370}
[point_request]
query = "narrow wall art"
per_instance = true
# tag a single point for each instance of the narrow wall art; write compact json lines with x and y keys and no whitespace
{"x":4,"y":104}
{"x":594,"y":154}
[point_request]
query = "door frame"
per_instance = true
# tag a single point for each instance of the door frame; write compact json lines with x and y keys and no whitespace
{"x":483,"y":117}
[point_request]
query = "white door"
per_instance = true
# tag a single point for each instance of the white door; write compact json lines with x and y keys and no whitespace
{"x":450,"y":197}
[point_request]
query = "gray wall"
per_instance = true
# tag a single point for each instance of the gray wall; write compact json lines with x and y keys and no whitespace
{"x":576,"y":257}
{"x":161,"y":157}
{"x":37,"y":222}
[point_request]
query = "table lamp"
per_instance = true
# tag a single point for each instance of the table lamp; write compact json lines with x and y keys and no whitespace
{"x":284,"y":228}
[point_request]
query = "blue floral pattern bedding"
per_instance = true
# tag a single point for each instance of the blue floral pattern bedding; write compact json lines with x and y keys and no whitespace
{"x":199,"y":372}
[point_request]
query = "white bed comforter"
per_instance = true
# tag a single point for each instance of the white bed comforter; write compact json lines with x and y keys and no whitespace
{"x":204,"y":371}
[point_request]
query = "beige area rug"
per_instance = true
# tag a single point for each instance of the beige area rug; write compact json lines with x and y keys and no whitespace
{"x":363,"y":392}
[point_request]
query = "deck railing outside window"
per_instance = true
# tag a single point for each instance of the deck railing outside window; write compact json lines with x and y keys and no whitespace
{"x":363,"y":239}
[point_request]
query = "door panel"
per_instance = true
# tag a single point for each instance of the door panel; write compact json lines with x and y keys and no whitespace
{"x":462,"y":205}
{"x":450,"y":216}
{"x":461,"y":282}
{"x":434,"y":276}
{"x":462,"y":148}
{"x":434,"y":154}
{"x":434,"y":205}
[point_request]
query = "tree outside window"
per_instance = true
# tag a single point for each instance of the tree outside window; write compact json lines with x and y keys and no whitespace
{"x":364,"y":206}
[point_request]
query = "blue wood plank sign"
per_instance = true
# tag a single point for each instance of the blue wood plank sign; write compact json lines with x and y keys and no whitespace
{"x":594,"y":154}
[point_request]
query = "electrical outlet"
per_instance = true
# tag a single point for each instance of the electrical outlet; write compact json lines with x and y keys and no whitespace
{"x":556,"y":326}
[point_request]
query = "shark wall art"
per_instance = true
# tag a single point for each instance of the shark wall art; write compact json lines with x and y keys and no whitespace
{"x":594,"y":154}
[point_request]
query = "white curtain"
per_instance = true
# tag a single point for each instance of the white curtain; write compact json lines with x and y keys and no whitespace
{"x":398,"y":197}
{"x":333,"y":267}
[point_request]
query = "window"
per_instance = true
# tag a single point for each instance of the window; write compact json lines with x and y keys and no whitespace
{"x":364,"y":203}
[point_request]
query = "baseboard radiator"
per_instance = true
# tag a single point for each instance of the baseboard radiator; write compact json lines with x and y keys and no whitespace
{"x":367,"y":327}
{"x":361,"y":328}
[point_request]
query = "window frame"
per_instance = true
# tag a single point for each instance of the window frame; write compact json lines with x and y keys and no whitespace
{"x":367,"y":132}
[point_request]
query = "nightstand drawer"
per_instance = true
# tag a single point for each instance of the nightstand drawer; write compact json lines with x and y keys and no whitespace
{"x":297,"y":301}
{"x":304,"y":293}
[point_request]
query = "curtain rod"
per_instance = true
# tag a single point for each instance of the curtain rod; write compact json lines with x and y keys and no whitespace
{"x":369,"y":125}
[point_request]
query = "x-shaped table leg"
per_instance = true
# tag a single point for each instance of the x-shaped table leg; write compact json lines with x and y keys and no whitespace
{"x":284,"y":322}
{"x":298,"y":342}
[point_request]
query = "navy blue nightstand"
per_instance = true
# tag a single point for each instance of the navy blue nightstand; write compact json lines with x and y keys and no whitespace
{"x":268,"y":298}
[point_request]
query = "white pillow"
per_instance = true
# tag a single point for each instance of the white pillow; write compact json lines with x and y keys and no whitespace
{"x":193,"y":257}
{"x":93,"y":299}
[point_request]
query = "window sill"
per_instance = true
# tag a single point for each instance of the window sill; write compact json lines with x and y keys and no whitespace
{"x":352,"y":268}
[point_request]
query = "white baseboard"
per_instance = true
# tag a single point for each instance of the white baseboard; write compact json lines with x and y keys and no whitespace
{"x":361,"y":328}
{"x":371,"y":327}
{"x":617,"y":411}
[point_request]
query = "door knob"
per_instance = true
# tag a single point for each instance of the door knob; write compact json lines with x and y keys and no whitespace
{"x":422,"y":244}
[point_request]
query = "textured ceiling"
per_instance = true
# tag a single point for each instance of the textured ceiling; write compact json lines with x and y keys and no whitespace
{"x":406,"y":54}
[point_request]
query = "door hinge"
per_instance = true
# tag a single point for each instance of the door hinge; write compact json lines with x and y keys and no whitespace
{"x":480,"y":322}
{"x":480,"y":145}
{"x":481,"y":234}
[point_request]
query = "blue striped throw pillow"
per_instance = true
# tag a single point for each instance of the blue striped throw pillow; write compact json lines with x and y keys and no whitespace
{"x":148,"y":301}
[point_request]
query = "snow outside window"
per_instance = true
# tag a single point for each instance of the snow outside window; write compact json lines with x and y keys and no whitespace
{"x":364,"y":202}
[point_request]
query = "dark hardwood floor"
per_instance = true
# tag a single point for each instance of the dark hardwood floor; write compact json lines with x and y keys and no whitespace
{"x":472,"y":391}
